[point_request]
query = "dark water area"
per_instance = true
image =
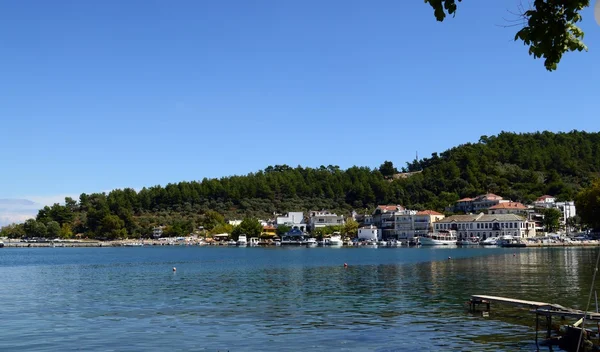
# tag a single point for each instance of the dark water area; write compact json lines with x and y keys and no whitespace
{"x":280,"y":299}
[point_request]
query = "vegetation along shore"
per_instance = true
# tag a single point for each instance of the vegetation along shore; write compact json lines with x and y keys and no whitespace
{"x":519,"y":166}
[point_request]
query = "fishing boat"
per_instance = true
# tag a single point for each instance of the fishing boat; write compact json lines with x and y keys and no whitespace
{"x":242,"y":241}
{"x":441,"y":238}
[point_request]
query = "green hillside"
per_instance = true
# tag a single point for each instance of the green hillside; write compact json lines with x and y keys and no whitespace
{"x":517,"y":166}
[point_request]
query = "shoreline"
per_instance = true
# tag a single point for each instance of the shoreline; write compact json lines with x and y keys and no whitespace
{"x":152,"y":243}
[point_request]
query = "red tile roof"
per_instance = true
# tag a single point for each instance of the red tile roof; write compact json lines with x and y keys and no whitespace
{"x":544,"y":197}
{"x":390,"y":207}
{"x":465,"y":200}
{"x":509,"y":205}
{"x":429,"y":212}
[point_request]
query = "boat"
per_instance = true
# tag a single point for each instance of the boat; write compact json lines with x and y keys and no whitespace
{"x":471,"y":241}
{"x":490,"y":241}
{"x":336,"y":240}
{"x":232,"y":242}
{"x":254,"y":241}
{"x":311,"y":242}
{"x":382,"y":243}
{"x":441,"y":238}
{"x":134,"y":244}
{"x":242,"y":241}
{"x":1,"y":244}
{"x":371,"y":244}
{"x":294,"y":236}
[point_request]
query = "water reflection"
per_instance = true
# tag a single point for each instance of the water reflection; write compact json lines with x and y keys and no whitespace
{"x":272,"y":300}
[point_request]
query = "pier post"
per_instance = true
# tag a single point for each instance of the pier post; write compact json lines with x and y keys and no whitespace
{"x":549,"y":326}
{"x":537,"y":324}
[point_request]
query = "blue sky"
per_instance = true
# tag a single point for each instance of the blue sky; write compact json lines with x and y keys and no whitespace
{"x":97,"y":95}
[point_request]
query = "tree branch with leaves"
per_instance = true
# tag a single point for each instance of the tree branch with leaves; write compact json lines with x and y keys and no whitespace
{"x":549,"y":27}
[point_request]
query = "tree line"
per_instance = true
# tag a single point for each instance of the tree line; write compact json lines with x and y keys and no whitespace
{"x":520,"y":167}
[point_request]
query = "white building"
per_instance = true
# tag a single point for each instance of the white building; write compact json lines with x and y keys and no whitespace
{"x":320,"y":219}
{"x":292,"y":219}
{"x":567,"y":209}
{"x":368,"y":233}
{"x":487,"y":225}
{"x":157,"y":232}
{"x":234,"y":222}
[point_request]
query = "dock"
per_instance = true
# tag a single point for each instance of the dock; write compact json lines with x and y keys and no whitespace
{"x":544,"y":309}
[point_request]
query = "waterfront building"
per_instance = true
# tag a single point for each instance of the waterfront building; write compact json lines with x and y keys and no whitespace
{"x":487,"y":225}
{"x":384,"y":219}
{"x":293,"y":220}
{"x":410,"y":223}
{"x":369,"y":233}
{"x":320,"y":219}
{"x":268,"y":231}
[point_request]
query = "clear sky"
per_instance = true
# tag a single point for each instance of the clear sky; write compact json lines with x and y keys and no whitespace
{"x":97,"y":95}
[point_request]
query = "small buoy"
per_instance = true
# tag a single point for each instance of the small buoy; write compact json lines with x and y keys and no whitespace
{"x":345,"y":265}
{"x":174,"y":269}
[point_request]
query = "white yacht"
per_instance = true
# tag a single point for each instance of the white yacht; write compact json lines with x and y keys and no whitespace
{"x":242,"y":241}
{"x":311,"y":242}
{"x":441,"y":238}
{"x":254,"y":241}
{"x":490,"y":241}
{"x":336,"y":240}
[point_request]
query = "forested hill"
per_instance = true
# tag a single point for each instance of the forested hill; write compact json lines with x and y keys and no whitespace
{"x":520,"y":167}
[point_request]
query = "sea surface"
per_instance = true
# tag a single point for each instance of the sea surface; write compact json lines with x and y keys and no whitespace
{"x":280,"y":299}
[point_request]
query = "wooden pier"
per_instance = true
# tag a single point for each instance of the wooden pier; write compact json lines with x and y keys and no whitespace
{"x":544,"y":309}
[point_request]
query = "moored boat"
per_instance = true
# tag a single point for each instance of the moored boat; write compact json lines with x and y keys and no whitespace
{"x":471,"y":241}
{"x":441,"y":238}
{"x":311,"y":242}
{"x":242,"y":241}
{"x":335,"y":240}
{"x":490,"y":241}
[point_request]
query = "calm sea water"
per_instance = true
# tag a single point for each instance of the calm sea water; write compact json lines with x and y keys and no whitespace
{"x":279,"y":299}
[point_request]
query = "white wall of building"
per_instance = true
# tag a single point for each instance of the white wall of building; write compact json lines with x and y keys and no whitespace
{"x":369,"y":233}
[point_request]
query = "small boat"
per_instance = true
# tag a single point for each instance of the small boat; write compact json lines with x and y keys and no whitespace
{"x":232,"y":243}
{"x":242,"y":241}
{"x":382,"y":243}
{"x":441,"y":238}
{"x":490,"y":241}
{"x":254,"y":241}
{"x":134,"y":244}
{"x":311,"y":242}
{"x":471,"y":241}
{"x":1,"y":244}
{"x":371,"y":244}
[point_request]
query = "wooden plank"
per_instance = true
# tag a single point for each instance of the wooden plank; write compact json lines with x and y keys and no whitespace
{"x":512,"y":301}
